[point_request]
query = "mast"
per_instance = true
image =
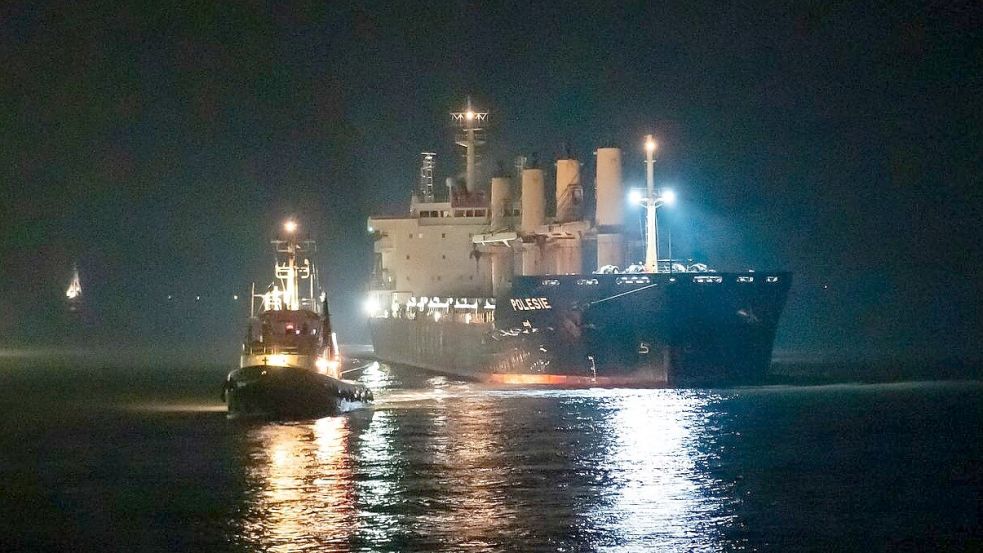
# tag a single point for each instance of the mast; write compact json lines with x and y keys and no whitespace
{"x":291,"y":270}
{"x":651,"y":224}
{"x":471,"y":125}
{"x":426,"y":176}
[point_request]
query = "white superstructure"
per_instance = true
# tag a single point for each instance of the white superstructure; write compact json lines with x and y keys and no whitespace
{"x":470,"y":245}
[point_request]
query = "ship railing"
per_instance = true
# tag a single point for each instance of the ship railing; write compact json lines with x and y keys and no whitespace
{"x":260,"y":349}
{"x":462,"y":309}
{"x":662,"y":266}
{"x":682,"y":266}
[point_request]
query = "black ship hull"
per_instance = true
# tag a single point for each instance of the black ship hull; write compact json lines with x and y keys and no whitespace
{"x":289,"y":393}
{"x":684,"y":329}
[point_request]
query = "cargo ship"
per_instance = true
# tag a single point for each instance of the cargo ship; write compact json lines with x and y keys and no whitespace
{"x":486,"y":285}
{"x":290,"y":365}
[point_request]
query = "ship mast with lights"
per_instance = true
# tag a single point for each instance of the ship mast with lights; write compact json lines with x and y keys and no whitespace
{"x":470,"y":136}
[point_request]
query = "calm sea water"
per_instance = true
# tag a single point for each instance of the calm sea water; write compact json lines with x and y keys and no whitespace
{"x":130,"y":459}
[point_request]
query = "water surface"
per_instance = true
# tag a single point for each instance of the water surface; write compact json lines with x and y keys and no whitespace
{"x":143,"y":459}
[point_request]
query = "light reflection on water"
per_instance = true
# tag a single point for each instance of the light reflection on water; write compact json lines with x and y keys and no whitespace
{"x":300,"y":484}
{"x":441,"y":465}
{"x":451,"y":465}
{"x":661,"y":496}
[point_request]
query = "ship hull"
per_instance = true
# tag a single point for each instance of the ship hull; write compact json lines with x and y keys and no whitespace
{"x":273,"y":392}
{"x":640,"y":330}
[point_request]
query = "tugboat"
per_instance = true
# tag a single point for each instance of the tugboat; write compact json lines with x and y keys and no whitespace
{"x":290,"y":366}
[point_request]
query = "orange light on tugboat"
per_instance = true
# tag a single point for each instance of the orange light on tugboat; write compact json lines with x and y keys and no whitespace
{"x":325,"y":366}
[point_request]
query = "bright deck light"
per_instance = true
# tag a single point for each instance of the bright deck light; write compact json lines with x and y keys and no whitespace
{"x":650,"y":145}
{"x":635,"y":196}
{"x":668,"y":197}
{"x":290,"y":226}
{"x":469,"y":115}
{"x":371,"y":306}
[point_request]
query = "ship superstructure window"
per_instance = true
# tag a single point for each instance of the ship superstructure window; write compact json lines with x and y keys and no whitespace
{"x":443,"y":235}
{"x":771,"y":279}
{"x":459,"y":213}
{"x":702,"y":279}
{"x":424,"y":214}
{"x":745,"y":279}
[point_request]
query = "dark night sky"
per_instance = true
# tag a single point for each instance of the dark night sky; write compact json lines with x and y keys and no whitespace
{"x":160,"y":146}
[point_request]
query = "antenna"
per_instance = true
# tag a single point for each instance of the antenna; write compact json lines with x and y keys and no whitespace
{"x":471,"y":135}
{"x":427,"y":160}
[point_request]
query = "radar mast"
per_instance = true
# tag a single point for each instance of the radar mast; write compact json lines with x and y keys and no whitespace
{"x":470,"y":135}
{"x":427,"y":160}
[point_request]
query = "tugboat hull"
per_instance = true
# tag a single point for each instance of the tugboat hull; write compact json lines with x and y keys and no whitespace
{"x":289,"y":393}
